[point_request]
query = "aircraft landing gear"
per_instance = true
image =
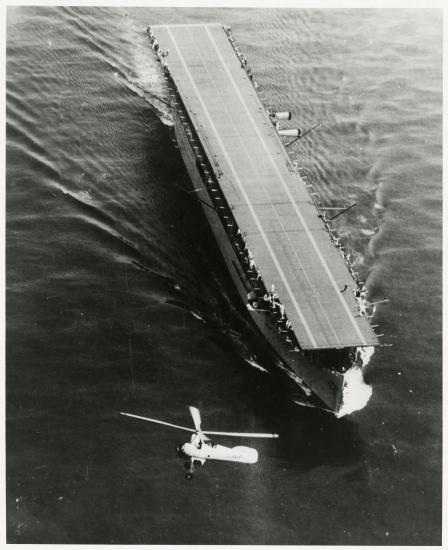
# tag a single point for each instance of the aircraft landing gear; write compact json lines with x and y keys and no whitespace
{"x":189,"y":465}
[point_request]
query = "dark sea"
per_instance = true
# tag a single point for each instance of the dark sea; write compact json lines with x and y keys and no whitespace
{"x":117,"y":298}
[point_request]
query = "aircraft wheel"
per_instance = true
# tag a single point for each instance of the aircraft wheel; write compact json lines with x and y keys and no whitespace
{"x":189,"y":476}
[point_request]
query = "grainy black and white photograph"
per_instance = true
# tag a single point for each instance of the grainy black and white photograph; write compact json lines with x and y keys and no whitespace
{"x":223,"y":275}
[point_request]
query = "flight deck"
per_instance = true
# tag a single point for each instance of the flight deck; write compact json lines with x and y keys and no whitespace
{"x":268,"y":198}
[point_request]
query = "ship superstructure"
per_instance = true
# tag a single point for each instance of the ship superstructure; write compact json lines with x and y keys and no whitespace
{"x":288,"y":267}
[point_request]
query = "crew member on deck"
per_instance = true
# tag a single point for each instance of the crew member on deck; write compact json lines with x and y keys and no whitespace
{"x":362,"y":307}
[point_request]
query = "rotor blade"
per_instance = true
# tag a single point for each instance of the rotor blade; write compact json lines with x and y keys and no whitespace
{"x":235,"y":434}
{"x":158,"y":422}
{"x":196,"y":415}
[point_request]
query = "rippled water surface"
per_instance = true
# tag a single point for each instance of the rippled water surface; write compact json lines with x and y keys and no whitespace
{"x":117,"y":298}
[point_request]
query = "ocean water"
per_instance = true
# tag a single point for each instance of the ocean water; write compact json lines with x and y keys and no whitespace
{"x":117,"y":298}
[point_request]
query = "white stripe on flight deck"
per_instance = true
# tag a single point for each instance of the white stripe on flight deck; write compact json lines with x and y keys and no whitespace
{"x":262,"y":185}
{"x":288,"y":192}
{"x":243,"y":192}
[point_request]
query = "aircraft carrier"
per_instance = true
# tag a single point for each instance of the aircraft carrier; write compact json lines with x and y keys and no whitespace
{"x":287,"y":265}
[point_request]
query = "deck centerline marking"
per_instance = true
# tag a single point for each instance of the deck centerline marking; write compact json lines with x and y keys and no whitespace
{"x":263,"y":186}
{"x":235,"y":174}
{"x":288,"y":192}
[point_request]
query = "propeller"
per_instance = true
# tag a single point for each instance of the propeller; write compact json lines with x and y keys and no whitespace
{"x":158,"y":422}
{"x":196,"y":415}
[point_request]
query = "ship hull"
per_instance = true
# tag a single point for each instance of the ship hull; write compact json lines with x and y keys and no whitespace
{"x":325,"y":384}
